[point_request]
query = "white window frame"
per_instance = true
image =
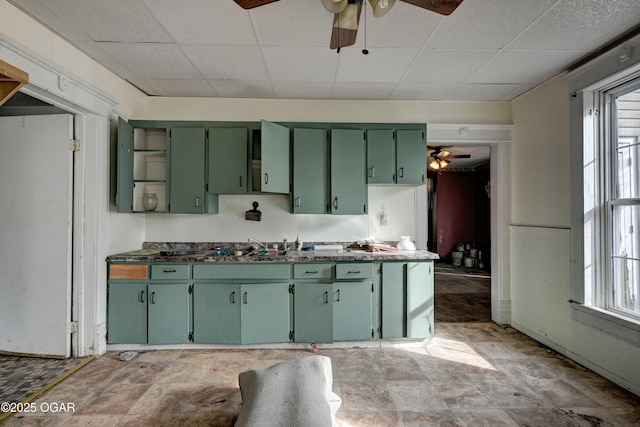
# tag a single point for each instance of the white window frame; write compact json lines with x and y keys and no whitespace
{"x":591,"y":199}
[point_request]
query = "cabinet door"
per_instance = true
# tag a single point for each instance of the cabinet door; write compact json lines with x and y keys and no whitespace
{"x":381,"y":156}
{"x":169,"y":313}
{"x":265,"y":313}
{"x":227,"y":161}
{"x":216,"y":313}
{"x":420,"y":314}
{"x":274,"y":166}
{"x":127,"y":313}
{"x":411,"y":151}
{"x":352,"y":311}
{"x":313,"y":312}
{"x":348,"y":172}
{"x":124,"y":192}
{"x":186,"y":186}
{"x":310,"y":171}
{"x":393,"y":292}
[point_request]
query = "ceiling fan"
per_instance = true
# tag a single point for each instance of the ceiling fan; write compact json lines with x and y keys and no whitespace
{"x":347,"y":14}
{"x":439,"y":157}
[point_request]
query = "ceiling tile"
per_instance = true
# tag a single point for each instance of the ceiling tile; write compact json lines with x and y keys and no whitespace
{"x":417,"y":91}
{"x":382,"y":65}
{"x":299,"y":64}
{"x":486,"y":92}
{"x":113,"y":20}
{"x":486,"y":24}
{"x":302,"y":90}
{"x":355,"y":90}
{"x":577,"y":24}
{"x":446,"y":66}
{"x":524,"y":66}
{"x":293,"y":23}
{"x":242,"y":88}
{"x":227,"y":62}
{"x":174,"y":87}
{"x":204,"y":21}
{"x":152,"y":60}
{"x":51,"y":19}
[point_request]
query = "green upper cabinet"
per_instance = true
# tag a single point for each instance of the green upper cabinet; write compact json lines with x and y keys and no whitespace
{"x":186,"y":184}
{"x":411,"y":157}
{"x":381,"y":156}
{"x":124,"y":192}
{"x":270,"y":158}
{"x":396,"y":157}
{"x":348,"y":172}
{"x":310,"y":181}
{"x":227,"y":160}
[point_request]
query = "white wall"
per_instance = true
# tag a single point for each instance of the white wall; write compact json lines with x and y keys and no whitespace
{"x":540,"y":238}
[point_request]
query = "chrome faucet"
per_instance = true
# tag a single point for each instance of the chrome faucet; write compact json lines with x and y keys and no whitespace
{"x":284,"y":244}
{"x":266,"y":248}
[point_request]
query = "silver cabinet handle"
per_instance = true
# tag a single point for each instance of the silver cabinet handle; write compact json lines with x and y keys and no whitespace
{"x":338,"y":295}
{"x":297,"y":202}
{"x":326,"y":297}
{"x":401,"y":172}
{"x":197,"y":202}
{"x":266,"y":178}
{"x":335,"y":203}
{"x":372,"y":172}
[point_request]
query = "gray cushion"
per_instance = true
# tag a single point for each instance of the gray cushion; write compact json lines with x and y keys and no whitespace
{"x":292,"y":393}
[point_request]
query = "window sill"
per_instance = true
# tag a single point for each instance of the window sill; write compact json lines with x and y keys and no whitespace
{"x":619,"y":326}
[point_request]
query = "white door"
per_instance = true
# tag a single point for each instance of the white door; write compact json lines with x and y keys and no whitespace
{"x":36,"y":199}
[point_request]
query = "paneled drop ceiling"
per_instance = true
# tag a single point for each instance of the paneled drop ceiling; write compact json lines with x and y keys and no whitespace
{"x":487,"y":50}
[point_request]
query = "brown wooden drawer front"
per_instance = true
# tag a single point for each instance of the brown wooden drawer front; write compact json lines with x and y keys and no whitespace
{"x":129,"y":271}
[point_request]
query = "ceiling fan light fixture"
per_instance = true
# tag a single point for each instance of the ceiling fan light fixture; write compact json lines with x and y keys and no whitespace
{"x":381,"y":7}
{"x":335,"y":6}
{"x":434,"y":164}
{"x":348,"y":18}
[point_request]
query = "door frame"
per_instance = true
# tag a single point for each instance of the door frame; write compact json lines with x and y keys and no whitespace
{"x":91,"y":109}
{"x":498,"y":138}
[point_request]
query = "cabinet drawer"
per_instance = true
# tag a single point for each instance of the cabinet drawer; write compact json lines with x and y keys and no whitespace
{"x":312,"y":271}
{"x":241,"y":271}
{"x":170,"y":271}
{"x":354,"y":271}
{"x":129,"y":271}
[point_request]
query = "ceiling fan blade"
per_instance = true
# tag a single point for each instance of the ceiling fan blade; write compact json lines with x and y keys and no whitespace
{"x":341,"y":37}
{"x":250,"y":4}
{"x":443,"y":7}
{"x":460,"y":156}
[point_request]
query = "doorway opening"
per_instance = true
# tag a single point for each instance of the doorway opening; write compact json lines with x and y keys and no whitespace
{"x":459,"y":223}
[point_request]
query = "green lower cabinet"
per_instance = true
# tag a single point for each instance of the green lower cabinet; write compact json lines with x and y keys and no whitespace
{"x":352,"y":311}
{"x":216,"y":313}
{"x":169,"y":314}
{"x":393,"y":293}
{"x":265,"y":313}
{"x":241,"y":314}
{"x":420,"y":315}
{"x":407,"y":300}
{"x":127,"y":313}
{"x":313,"y":312}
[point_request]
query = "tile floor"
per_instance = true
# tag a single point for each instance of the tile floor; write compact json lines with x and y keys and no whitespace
{"x":471,"y":374}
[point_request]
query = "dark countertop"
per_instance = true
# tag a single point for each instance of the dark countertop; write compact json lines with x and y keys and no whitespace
{"x":198,"y":252}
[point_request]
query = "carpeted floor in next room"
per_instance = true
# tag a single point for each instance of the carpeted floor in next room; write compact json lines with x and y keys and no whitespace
{"x":461,"y":294}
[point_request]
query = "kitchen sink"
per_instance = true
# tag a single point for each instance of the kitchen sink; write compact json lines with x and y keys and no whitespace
{"x":269,"y":254}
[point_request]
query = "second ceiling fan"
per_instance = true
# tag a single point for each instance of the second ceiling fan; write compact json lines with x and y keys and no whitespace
{"x":347,"y":14}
